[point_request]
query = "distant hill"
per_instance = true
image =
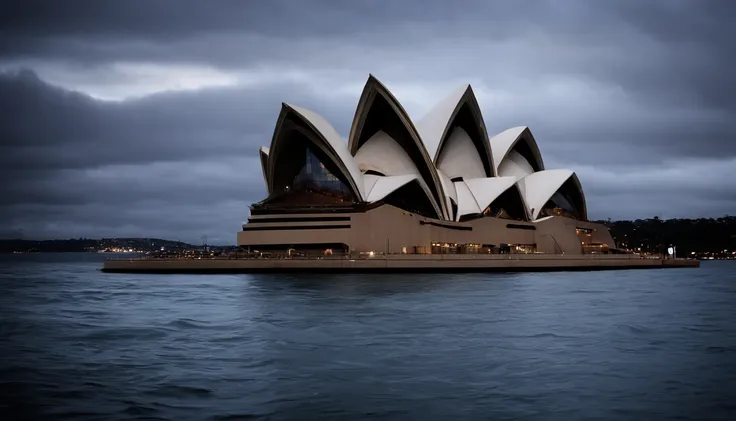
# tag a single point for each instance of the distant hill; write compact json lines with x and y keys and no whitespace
{"x":90,"y":245}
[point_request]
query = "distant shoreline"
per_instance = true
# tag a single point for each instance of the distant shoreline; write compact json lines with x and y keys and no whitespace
{"x":703,"y":238}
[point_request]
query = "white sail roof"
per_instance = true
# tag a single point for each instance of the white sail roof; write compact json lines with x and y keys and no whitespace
{"x":433,"y":125}
{"x":539,"y":187}
{"x":483,"y":191}
{"x":466,"y":203}
{"x":459,"y":158}
{"x":322,"y":136}
{"x":383,"y":186}
{"x":383,"y":155}
{"x":426,"y":169}
{"x":263,"y":154}
{"x":449,"y":143}
{"x":335,"y":142}
{"x":515,"y":165}
{"x":438,"y":127}
{"x":450,"y":193}
{"x":503,"y":143}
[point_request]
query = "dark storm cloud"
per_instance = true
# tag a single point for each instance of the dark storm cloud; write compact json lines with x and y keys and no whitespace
{"x":637,"y":97}
{"x":171,"y":19}
{"x":47,"y":127}
{"x":68,"y":157}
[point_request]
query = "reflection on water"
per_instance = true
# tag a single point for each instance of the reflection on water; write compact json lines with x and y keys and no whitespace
{"x":81,"y":344}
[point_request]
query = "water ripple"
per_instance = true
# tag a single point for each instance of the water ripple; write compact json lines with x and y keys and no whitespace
{"x":83,"y":345}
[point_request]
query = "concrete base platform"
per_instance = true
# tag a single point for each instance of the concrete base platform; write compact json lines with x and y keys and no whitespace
{"x":399,"y":263}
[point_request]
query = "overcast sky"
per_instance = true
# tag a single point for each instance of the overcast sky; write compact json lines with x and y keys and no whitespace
{"x":143,"y":118}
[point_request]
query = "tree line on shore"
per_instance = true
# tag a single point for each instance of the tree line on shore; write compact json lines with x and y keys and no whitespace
{"x":703,"y":235}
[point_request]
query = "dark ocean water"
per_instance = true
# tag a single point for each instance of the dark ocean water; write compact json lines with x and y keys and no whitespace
{"x":627,"y":345}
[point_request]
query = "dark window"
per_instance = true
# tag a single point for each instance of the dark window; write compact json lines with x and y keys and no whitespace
{"x":451,"y":227}
{"x":508,"y":205}
{"x":567,"y":202}
{"x":412,"y":198}
{"x":298,"y":227}
{"x":521,"y":227}
{"x":305,"y":174}
{"x":278,"y":209}
{"x":301,"y":219}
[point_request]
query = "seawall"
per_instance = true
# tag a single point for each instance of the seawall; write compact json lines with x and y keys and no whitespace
{"x":399,"y":263}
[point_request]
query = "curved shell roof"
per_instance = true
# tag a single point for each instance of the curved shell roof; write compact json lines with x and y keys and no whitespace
{"x":459,"y":158}
{"x":335,"y":143}
{"x":483,"y":191}
{"x":470,"y":171}
{"x":539,"y":187}
{"x":381,"y":154}
{"x":450,"y":191}
{"x":378,"y":187}
{"x":504,"y":142}
{"x":439,"y":123}
{"x":515,"y":165}
{"x":383,"y":186}
{"x":374,"y":88}
{"x":263,"y":154}
{"x":325,"y":138}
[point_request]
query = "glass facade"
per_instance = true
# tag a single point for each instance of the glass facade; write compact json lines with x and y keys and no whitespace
{"x":308,"y":179}
{"x":314,"y":176}
{"x":560,"y":205}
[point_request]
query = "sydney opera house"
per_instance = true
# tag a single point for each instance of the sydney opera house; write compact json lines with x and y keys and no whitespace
{"x":436,"y":185}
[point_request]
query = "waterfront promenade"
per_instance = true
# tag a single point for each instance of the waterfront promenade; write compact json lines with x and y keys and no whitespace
{"x":397,"y":263}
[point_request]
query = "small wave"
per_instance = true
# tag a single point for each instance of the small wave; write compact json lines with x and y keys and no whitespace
{"x":587,"y":291}
{"x":720,"y":350}
{"x":236,"y":417}
{"x":702,"y":329}
{"x":542,"y":335}
{"x":228,"y":339}
{"x":186,"y":324}
{"x":69,"y":394}
{"x":10,"y":327}
{"x":179,"y":391}
{"x":124,"y":333}
{"x":633,"y":329}
{"x":93,"y":384}
{"x":135,"y":408}
{"x":75,"y":415}
{"x":30,"y":384}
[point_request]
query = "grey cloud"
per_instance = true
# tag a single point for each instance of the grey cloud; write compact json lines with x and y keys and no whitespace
{"x":169,"y":19}
{"x":48,"y":127}
{"x":659,"y":51}
{"x":635,"y":96}
{"x":82,"y":167}
{"x":185,"y":199}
